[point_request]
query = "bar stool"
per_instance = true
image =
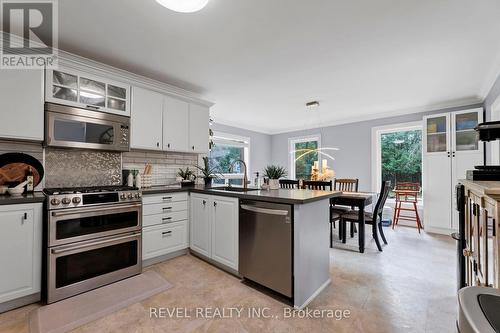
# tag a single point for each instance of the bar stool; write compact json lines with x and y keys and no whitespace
{"x":406,"y":193}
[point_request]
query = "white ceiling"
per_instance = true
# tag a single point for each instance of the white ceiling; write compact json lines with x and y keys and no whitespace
{"x":260,"y":61}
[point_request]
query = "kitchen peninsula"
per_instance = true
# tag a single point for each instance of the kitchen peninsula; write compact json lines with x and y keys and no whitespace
{"x":220,"y":233}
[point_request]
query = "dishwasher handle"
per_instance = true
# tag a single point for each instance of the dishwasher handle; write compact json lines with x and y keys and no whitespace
{"x":268,"y":211}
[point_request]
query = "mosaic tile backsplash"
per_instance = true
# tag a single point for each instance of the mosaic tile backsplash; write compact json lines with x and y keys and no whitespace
{"x":64,"y":168}
{"x":165,"y":165}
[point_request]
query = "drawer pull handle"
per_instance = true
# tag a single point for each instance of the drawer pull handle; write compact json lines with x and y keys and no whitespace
{"x":165,"y":208}
{"x":165,"y":220}
{"x":167,"y":198}
{"x":166,"y":233}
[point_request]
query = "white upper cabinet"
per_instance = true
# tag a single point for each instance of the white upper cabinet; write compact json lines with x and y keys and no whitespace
{"x":175,"y":124}
{"x":198,"y":128}
{"x":79,"y":89}
{"x":21,"y":104}
{"x":146,"y":121}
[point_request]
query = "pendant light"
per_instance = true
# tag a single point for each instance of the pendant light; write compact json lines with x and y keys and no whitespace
{"x":183,"y":6}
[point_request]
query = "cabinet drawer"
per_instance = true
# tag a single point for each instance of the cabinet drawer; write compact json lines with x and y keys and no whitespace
{"x":164,"y":208}
{"x":164,"y":198}
{"x":150,"y":220}
{"x":161,"y":240}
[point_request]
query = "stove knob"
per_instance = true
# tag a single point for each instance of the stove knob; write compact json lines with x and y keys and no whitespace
{"x":55,"y":202}
{"x":137,"y":195}
{"x":77,"y":200}
{"x":123,"y":196}
{"x":66,"y":201}
{"x":130,"y":196}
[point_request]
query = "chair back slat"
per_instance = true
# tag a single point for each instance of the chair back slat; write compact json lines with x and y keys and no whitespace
{"x":317,"y":185}
{"x":382,"y":197}
{"x":346,"y":184}
{"x":289,"y":183}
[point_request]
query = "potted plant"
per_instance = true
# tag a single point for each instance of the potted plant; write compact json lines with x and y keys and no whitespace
{"x":208,"y":172}
{"x":274,"y":173}
{"x":187,"y":176}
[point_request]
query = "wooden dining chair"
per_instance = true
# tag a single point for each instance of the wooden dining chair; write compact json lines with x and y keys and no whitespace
{"x":375,"y":218}
{"x":289,"y":183}
{"x":317,"y":185}
{"x":345,"y":185}
{"x":407,"y":193}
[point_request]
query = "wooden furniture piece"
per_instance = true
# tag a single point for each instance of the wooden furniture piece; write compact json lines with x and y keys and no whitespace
{"x":317,"y":185}
{"x":289,"y":183}
{"x":406,"y":193}
{"x":359,"y":200}
{"x":450,"y":147}
{"x":344,"y":185}
{"x":482,"y":208}
{"x":375,"y":218}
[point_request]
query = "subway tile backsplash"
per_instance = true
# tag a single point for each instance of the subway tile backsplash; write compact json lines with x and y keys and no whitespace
{"x":164,"y":165}
{"x":69,"y":167}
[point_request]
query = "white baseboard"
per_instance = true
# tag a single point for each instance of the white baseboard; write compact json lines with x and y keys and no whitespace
{"x":440,"y":231}
{"x":313,"y":296}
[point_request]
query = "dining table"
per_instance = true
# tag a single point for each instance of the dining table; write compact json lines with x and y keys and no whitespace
{"x":359,"y":200}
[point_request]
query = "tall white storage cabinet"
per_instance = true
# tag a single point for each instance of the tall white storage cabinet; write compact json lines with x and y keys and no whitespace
{"x":451,"y":147}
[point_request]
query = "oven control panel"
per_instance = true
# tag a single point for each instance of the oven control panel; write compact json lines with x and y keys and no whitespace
{"x":74,"y":200}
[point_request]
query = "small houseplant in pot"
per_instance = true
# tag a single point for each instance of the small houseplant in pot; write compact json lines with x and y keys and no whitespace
{"x":208,"y":172}
{"x":187,"y":176}
{"x":274,"y":173}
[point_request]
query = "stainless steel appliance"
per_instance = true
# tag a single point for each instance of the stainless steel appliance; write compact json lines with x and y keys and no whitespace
{"x":265,"y":245}
{"x":478,"y":310}
{"x":460,"y":235}
{"x":71,"y":127}
{"x":93,"y":238}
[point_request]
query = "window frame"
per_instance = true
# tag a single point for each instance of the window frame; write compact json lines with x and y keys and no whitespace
{"x":377,"y":149}
{"x":291,"y":148}
{"x":226,"y":138}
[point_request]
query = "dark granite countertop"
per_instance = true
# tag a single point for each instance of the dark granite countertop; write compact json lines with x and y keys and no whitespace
{"x":36,"y":197}
{"x":287,"y":196}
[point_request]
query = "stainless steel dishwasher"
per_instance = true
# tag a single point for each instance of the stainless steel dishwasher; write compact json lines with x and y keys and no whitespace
{"x":266,"y":240}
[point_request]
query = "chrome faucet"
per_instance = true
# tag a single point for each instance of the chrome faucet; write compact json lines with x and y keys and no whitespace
{"x":245,"y":176}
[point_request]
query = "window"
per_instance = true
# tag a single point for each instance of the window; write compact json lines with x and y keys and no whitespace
{"x":303,"y":154}
{"x":398,"y":154}
{"x":227,"y":149}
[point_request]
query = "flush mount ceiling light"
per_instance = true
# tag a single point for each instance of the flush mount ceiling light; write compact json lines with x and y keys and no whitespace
{"x":312,"y":105}
{"x":183,"y":6}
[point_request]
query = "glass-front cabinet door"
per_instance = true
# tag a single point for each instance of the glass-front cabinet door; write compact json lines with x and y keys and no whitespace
{"x":437,"y":134}
{"x":69,"y":87}
{"x":465,"y":137}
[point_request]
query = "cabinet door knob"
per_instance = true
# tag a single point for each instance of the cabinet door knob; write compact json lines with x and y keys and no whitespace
{"x":215,"y":204}
{"x":192,"y":147}
{"x":204,"y":202}
{"x":157,"y":144}
{"x":168,"y":145}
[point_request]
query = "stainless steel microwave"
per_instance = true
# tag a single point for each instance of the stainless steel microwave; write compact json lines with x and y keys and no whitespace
{"x":70,"y":127}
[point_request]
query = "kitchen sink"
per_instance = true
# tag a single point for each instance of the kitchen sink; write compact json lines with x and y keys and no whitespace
{"x":234,"y":189}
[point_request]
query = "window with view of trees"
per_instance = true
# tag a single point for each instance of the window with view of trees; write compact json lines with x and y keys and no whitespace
{"x":301,"y":160}
{"x":225,"y":151}
{"x":401,"y":157}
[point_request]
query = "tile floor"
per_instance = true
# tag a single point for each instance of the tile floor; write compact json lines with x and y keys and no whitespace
{"x":410,"y":287}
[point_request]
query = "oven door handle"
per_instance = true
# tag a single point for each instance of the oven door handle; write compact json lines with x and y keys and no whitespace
{"x":64,"y":249}
{"x":92,"y":210}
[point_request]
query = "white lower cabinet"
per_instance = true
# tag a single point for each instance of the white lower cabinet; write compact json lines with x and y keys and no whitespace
{"x":20,"y":251}
{"x":164,"y":224}
{"x":214,"y":228}
{"x":164,"y":239}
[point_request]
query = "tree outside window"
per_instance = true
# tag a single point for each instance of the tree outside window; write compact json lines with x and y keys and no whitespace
{"x":401,"y":157}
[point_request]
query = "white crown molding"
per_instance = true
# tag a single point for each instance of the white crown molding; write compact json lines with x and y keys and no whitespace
{"x":463,"y":103}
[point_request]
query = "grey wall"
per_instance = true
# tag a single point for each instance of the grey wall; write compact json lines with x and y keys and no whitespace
{"x":260,"y":146}
{"x":354,"y":140}
{"x":491,"y":97}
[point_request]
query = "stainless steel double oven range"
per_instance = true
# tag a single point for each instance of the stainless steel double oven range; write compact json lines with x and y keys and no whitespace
{"x":93,"y":237}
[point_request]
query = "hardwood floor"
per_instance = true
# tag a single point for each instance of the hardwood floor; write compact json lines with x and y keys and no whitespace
{"x":410,"y":287}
